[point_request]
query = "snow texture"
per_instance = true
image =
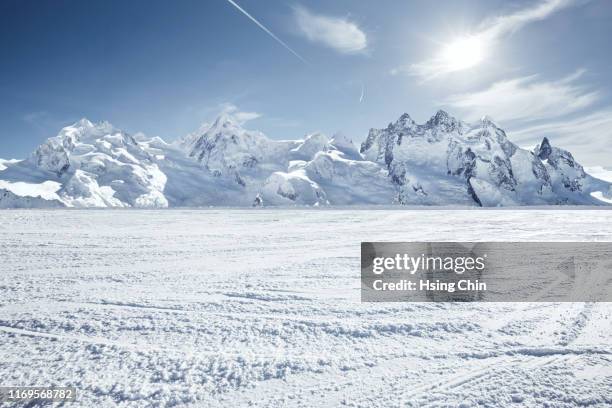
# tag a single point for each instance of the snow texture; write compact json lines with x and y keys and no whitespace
{"x":260,"y":308}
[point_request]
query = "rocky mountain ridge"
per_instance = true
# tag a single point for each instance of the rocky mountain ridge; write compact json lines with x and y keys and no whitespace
{"x":444,"y":161}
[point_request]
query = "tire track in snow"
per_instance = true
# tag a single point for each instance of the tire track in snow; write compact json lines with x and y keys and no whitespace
{"x":472,"y":378}
{"x":539,"y":357}
{"x":295,"y":317}
{"x":143,"y":348}
{"x":577,"y":325}
{"x":83,"y":339}
{"x":525,"y":358}
{"x":319,"y":390}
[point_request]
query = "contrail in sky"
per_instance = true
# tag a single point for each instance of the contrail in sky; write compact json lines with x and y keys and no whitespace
{"x":362,"y":93}
{"x":270,"y":33}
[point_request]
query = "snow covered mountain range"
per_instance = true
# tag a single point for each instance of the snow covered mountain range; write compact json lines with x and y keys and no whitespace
{"x":441,"y":162}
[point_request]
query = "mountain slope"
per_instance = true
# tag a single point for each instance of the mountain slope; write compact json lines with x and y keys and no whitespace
{"x":449,"y":161}
{"x":441,"y":162}
{"x":92,"y":166}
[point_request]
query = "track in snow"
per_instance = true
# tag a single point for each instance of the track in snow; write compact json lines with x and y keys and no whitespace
{"x":261,"y":308}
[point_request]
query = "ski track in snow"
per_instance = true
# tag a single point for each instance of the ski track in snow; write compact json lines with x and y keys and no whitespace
{"x":261,"y":308}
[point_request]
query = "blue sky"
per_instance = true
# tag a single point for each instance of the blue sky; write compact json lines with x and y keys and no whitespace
{"x":538,"y":67}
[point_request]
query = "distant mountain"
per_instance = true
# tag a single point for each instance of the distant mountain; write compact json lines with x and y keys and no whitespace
{"x":444,"y":161}
{"x":449,"y":161}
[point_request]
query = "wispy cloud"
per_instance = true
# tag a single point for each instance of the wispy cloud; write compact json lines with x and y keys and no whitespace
{"x":588,"y":137}
{"x":265,"y":29}
{"x":499,"y":26}
{"x":526,"y":99}
{"x":34,"y":118}
{"x":337,"y":33}
{"x":468,"y":50}
{"x":238,"y":115}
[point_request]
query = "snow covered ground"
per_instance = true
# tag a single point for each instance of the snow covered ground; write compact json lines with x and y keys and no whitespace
{"x":235,"y":308}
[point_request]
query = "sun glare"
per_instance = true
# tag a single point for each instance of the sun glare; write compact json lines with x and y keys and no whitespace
{"x":463,"y":53}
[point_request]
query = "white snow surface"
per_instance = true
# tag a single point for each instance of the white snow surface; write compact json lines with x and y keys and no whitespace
{"x":444,"y":161}
{"x":261,"y":308}
{"x":46,"y":190}
{"x":600,"y":172}
{"x":5,"y":162}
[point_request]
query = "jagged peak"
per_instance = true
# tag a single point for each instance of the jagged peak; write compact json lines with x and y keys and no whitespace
{"x":478,"y":157}
{"x":86,"y":124}
{"x":405,"y":117}
{"x":404,"y":120}
{"x":88,"y":132}
{"x":225,"y":120}
{"x":86,"y":128}
{"x":83,"y":122}
{"x":544,"y":149}
{"x":226,"y":132}
{"x":442,"y":114}
{"x":487,"y":121}
{"x":226,"y":124}
{"x":441,"y":117}
{"x":190,"y":139}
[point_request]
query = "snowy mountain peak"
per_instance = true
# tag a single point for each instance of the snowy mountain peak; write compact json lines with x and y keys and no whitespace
{"x":312,"y":144}
{"x":404,"y":121}
{"x":446,"y":160}
{"x":544,"y":149}
{"x":443,"y":161}
{"x":188,"y":141}
{"x":441,"y":114}
{"x":442,"y":118}
{"x":487,"y":121}
{"x":227,"y":145}
{"x":92,"y":164}
{"x":84,"y":130}
{"x":83,"y":122}
{"x":99,"y":127}
{"x":226,"y":121}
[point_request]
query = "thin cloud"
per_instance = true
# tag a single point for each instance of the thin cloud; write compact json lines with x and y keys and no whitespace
{"x":264,"y":28}
{"x":588,"y":137}
{"x":498,"y":27}
{"x":480,"y":42}
{"x":36,"y":118}
{"x":337,"y":33}
{"x":238,"y":115}
{"x":526,"y":99}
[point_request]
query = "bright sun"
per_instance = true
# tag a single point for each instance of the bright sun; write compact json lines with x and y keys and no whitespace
{"x":463,"y":53}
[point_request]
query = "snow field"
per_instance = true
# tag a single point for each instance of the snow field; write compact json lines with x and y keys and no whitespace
{"x":220,"y":307}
